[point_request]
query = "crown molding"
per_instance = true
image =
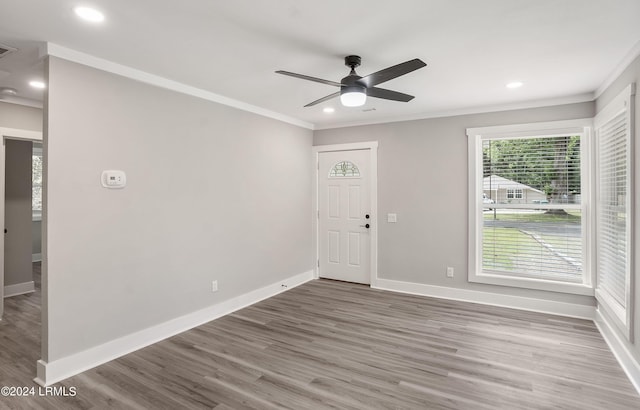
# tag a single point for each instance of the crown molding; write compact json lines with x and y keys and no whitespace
{"x":573,"y":99}
{"x":65,"y":53}
{"x":622,"y":65}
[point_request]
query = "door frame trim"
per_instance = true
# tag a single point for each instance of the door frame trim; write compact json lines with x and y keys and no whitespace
{"x":9,"y":134}
{"x":372,"y":146}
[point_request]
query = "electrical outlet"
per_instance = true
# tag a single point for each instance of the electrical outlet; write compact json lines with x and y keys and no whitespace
{"x":214,"y":286}
{"x":449,"y":272}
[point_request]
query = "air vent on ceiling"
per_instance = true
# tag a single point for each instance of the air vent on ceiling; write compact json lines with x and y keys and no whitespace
{"x":5,"y":50}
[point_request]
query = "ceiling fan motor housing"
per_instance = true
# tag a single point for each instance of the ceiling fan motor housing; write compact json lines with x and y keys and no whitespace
{"x":355,"y":88}
{"x":350,"y":83}
{"x":352,"y":61}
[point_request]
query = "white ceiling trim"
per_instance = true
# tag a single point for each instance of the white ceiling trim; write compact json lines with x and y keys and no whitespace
{"x":56,"y":50}
{"x":573,"y":99}
{"x":626,"y":61}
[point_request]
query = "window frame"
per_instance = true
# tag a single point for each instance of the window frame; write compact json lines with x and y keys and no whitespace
{"x":476,"y":136}
{"x":622,"y":318}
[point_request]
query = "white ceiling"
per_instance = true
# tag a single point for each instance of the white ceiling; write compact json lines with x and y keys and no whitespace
{"x":563,"y":50}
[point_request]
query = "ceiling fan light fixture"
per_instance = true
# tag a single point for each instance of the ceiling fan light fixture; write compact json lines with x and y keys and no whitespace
{"x":353,"y":96}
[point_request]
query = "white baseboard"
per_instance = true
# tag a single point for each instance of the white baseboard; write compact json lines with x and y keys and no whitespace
{"x":628,"y":363}
{"x":19,"y":289}
{"x":36,"y":257}
{"x":57,"y":370}
{"x":488,"y":298}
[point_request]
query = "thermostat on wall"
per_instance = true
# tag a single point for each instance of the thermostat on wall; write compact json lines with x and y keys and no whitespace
{"x":113,"y":179}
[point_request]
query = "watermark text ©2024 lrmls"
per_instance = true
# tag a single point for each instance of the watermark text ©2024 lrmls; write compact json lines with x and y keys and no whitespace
{"x":30,"y":391}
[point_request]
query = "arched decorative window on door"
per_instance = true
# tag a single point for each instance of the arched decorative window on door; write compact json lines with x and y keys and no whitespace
{"x":344,"y":169}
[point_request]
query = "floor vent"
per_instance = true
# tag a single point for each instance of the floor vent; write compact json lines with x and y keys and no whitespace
{"x":5,"y":50}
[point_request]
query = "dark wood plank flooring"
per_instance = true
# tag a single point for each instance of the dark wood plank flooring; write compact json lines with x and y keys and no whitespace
{"x":334,"y":345}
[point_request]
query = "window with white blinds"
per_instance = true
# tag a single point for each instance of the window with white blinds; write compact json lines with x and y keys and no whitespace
{"x":613,"y":209}
{"x":527,"y":206}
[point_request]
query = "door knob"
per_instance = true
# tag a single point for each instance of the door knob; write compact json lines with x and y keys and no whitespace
{"x":365,"y":226}
{"x":367,"y":216}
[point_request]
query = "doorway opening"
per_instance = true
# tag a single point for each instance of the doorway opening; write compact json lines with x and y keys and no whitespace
{"x":20,"y":251}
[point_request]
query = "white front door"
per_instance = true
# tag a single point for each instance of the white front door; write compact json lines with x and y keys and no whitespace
{"x":345,"y":218}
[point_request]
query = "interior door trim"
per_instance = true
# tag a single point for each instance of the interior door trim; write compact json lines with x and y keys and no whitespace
{"x":372,"y":146}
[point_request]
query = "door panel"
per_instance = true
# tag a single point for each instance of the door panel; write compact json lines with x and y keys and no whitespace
{"x":334,"y":247}
{"x":354,"y":249}
{"x":354,"y":202}
{"x":343,"y":199}
{"x":334,"y":202}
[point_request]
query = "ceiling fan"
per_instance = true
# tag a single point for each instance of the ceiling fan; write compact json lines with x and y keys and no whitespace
{"x":355,"y":89}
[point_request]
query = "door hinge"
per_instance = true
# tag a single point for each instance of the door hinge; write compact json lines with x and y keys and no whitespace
{"x":318,"y":214}
{"x":318,"y":262}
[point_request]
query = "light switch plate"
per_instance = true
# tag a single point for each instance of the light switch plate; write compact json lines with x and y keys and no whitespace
{"x":392,"y":218}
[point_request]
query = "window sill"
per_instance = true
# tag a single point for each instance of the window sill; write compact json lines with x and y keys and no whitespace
{"x":530,"y":283}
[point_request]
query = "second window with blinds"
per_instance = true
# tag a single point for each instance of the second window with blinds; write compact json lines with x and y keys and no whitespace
{"x":533,"y":230}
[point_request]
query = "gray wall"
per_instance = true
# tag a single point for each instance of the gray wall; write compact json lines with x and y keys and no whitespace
{"x":422,"y":176}
{"x":212,"y":193}
{"x":36,"y":237}
{"x":631,"y":75}
{"x":21,"y":117}
{"x":17,"y":245}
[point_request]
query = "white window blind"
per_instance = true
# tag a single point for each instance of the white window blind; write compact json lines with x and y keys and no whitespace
{"x":541,"y":237}
{"x":528,"y":206}
{"x":36,"y":179}
{"x":612,"y":210}
{"x":613,"y":201}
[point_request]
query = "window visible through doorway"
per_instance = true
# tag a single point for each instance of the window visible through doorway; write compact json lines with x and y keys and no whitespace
{"x":36,"y":181}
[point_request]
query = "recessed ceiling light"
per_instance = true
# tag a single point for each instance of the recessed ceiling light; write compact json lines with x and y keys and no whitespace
{"x":89,"y":14}
{"x":37,"y":84}
{"x":328,"y":110}
{"x":8,"y":91}
{"x":515,"y":84}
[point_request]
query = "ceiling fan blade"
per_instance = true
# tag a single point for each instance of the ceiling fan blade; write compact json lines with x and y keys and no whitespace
{"x":388,"y":94}
{"x":323,"y":99}
{"x":306,"y":77}
{"x":390,"y":73}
